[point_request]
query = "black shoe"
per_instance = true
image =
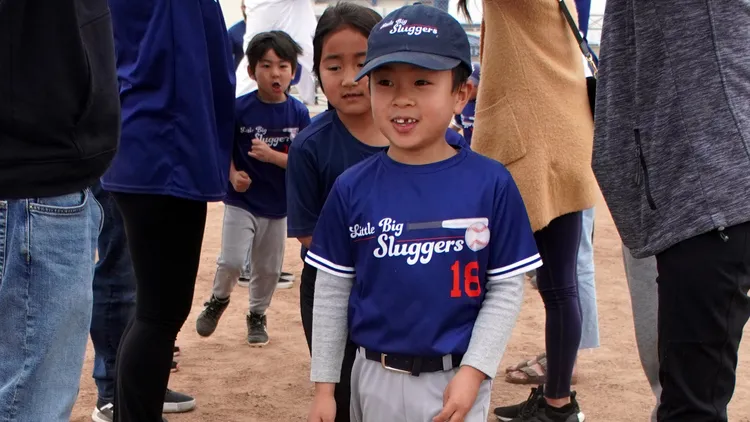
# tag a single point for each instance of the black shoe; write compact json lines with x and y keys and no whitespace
{"x":209,"y":318}
{"x":286,"y":281}
{"x":534,"y":402}
{"x":535,"y":409}
{"x":175,"y":402}
{"x":257,"y":336}
{"x":243,"y":281}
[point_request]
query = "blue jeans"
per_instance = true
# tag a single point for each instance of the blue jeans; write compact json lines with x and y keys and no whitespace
{"x":114,"y":295}
{"x":47,"y":249}
{"x":587,"y":285}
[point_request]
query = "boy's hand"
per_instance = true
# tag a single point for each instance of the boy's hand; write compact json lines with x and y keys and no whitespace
{"x":460,"y":395}
{"x":240,"y":181}
{"x":262,"y":152}
{"x":323,"y":408}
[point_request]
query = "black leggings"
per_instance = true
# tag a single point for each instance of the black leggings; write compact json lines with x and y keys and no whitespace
{"x":557,"y":280}
{"x":343,"y":388}
{"x":165,"y":236}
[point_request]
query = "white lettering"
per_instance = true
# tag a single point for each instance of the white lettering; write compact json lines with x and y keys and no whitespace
{"x":361,"y":231}
{"x":414,"y":252}
{"x":389,"y":225}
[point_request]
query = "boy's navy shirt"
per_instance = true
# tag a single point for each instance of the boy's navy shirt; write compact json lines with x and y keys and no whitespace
{"x":318,"y":156}
{"x":466,"y":120}
{"x":421,"y":242}
{"x":177,"y":99}
{"x":277,"y":125}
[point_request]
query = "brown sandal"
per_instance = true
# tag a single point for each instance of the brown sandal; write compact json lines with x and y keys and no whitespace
{"x":531,"y":376}
{"x":520,"y":365}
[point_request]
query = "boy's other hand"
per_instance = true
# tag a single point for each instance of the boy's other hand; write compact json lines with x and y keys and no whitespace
{"x":261,"y":151}
{"x":240,"y":181}
{"x":460,"y":395}
{"x":323,"y":407}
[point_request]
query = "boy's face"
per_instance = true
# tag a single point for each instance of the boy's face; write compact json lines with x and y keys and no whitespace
{"x":273,"y":76}
{"x":413,"y":106}
{"x":342,"y":57}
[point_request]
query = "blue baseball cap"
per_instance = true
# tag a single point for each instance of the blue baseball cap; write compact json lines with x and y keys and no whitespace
{"x":419,"y":35}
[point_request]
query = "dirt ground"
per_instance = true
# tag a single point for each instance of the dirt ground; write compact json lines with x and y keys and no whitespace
{"x":233,"y":382}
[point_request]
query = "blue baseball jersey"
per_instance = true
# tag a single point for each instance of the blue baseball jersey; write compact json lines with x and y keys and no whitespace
{"x":276,"y":125}
{"x":176,"y":77}
{"x":466,"y":120}
{"x":421,"y":242}
{"x":319,"y":154}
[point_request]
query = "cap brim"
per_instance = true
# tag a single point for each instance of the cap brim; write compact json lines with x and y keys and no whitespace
{"x":425,"y":60}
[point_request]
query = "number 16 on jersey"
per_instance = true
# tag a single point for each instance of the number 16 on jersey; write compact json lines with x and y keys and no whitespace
{"x":466,"y":279}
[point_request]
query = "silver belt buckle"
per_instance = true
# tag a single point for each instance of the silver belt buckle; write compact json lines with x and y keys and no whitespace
{"x":382,"y":362}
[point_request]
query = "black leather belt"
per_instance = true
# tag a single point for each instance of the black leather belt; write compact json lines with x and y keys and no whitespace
{"x":412,"y":365}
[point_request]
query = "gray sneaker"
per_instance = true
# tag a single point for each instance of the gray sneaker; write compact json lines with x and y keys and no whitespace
{"x":175,"y":402}
{"x":257,"y":335}
{"x":209,"y":318}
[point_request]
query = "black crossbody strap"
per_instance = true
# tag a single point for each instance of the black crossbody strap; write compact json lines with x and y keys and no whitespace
{"x":582,"y":44}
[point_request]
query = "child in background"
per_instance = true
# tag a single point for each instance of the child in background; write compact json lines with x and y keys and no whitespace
{"x":421,"y":249}
{"x":338,"y":138}
{"x":465,"y":121}
{"x":255,"y":214}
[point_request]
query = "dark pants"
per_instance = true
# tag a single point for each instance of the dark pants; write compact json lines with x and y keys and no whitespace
{"x":703,"y":307}
{"x":165,"y":236}
{"x":343,"y":388}
{"x":114,"y":295}
{"x":557,"y":280}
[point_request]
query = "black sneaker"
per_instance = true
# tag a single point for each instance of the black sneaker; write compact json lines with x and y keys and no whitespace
{"x":535,"y":409}
{"x":209,"y":318}
{"x":243,"y":281}
{"x":103,"y":413}
{"x":529,"y":406}
{"x":175,"y":402}
{"x":286,"y":281}
{"x":257,"y":336}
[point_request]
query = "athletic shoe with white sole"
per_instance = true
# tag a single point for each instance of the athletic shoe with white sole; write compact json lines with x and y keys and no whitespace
{"x":207,"y":321}
{"x":257,"y":334}
{"x":244,"y":281}
{"x":535,"y":409}
{"x":105,"y":413}
{"x":286,"y":281}
{"x":175,"y":402}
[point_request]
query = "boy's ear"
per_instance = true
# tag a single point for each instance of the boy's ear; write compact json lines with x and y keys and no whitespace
{"x":251,"y":72}
{"x":462,"y":96}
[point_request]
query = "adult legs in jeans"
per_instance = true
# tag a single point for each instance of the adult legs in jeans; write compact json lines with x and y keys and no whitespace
{"x":641,"y":275}
{"x":164,"y":235}
{"x":114,"y":295}
{"x":587,"y":283}
{"x":47,"y":253}
{"x":703,"y":307}
{"x":558,"y":285}
{"x":342,"y":394}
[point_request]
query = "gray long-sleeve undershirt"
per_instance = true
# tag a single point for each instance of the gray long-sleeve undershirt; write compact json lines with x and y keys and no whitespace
{"x":490,"y":335}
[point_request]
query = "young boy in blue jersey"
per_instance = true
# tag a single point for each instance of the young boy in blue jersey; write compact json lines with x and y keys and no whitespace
{"x":255,"y":214}
{"x":420,"y":249}
{"x":465,"y":120}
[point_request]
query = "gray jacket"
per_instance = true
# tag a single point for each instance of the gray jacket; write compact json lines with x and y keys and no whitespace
{"x":671,"y":150}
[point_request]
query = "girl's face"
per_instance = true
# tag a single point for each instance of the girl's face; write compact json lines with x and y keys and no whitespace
{"x":342,"y":58}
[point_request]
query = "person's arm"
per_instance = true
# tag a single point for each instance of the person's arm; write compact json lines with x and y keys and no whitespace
{"x":494,"y":324}
{"x":331,"y":253}
{"x":329,"y":326}
{"x":303,"y":193}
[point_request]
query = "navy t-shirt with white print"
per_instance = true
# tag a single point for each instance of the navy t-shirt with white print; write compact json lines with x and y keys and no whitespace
{"x":318,"y":156}
{"x":276,"y":125}
{"x":421,"y":242}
